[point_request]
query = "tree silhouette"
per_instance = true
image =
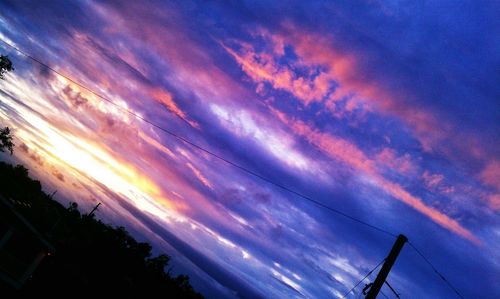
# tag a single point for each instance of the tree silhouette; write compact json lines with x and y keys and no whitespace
{"x":6,"y":140}
{"x":5,"y":136}
{"x":5,"y":66}
{"x":89,"y":254}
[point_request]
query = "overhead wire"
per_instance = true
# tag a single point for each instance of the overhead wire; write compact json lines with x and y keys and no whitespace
{"x":383,"y":294}
{"x":238,"y":166}
{"x":392,"y":289}
{"x":360,"y":281}
{"x":448,"y":283}
{"x":201,"y":148}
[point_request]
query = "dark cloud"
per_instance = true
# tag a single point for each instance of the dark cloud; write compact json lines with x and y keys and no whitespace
{"x":33,"y":155}
{"x":75,"y":98}
{"x":58,"y":175}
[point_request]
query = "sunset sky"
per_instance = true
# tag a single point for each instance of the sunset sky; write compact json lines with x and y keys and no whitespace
{"x":384,"y":110}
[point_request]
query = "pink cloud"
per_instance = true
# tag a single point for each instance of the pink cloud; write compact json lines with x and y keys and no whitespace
{"x":491,"y":174}
{"x":263,"y":67}
{"x":192,"y":69}
{"x":388,"y":158}
{"x":199,"y":175}
{"x":166,"y":99}
{"x":436,"y":132}
{"x":345,"y":68}
{"x":494,"y":201}
{"x":445,"y":221}
{"x":432,"y":181}
{"x":352,"y":156}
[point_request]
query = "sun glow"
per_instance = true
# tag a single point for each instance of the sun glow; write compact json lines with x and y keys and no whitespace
{"x":62,"y":148}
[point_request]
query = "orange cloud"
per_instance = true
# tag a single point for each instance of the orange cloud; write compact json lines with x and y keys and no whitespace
{"x":166,"y":99}
{"x":156,"y":144}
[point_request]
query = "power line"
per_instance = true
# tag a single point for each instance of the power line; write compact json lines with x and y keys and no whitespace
{"x":383,"y":294}
{"x":392,"y":289}
{"x":435,"y":270}
{"x":367,"y":274}
{"x":242,"y":168}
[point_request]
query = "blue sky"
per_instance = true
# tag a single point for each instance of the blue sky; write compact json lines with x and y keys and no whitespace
{"x":385,"y":110}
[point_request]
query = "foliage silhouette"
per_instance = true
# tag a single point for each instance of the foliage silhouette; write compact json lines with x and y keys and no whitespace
{"x":6,"y":140}
{"x":5,"y":136}
{"x":90,"y":255}
{"x":5,"y":66}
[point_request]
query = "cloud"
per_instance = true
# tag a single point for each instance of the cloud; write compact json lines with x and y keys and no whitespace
{"x":353,"y":157}
{"x":264,"y":67}
{"x":245,"y":124}
{"x":494,"y":201}
{"x":58,"y":175}
{"x":330,"y":100}
{"x":432,"y":180}
{"x":33,"y":155}
{"x":491,"y":174}
{"x":402,"y":164}
{"x":200,"y":176}
{"x":166,"y":99}
{"x":74,"y":97}
{"x":356,"y":83}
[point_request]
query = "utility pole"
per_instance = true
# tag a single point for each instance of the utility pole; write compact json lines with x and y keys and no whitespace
{"x":52,"y":195}
{"x":386,"y":268}
{"x":93,"y":210}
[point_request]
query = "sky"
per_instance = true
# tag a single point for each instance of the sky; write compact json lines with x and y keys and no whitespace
{"x":387,"y":111}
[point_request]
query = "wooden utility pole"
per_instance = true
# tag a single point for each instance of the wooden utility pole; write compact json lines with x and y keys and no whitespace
{"x":94,"y":209}
{"x":386,"y":268}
